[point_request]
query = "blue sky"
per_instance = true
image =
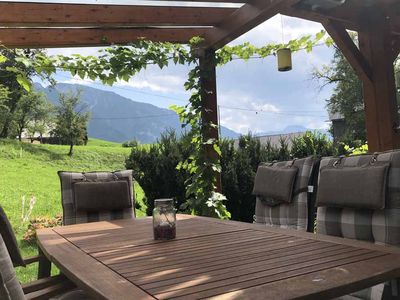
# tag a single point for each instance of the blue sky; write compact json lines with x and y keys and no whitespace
{"x":280,"y":99}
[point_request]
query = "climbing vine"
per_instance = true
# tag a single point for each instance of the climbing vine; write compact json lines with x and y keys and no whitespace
{"x":124,"y":62}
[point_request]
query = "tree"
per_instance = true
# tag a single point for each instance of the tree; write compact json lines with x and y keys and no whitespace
{"x":42,"y":120}
{"x":16,"y":69}
{"x":71,"y":120}
{"x":347,"y":96}
{"x":4,"y":96}
{"x":29,"y":108}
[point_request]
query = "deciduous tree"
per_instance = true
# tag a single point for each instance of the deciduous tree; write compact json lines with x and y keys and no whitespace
{"x":71,"y":120}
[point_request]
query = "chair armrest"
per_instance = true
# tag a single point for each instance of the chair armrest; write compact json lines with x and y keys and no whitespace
{"x":32,"y":259}
{"x":47,"y":287}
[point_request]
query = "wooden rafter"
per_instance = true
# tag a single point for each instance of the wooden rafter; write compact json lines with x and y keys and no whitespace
{"x":61,"y":37}
{"x":318,"y":17}
{"x":76,"y":15}
{"x":211,"y":1}
{"x":353,"y":55}
{"x":244,"y":19}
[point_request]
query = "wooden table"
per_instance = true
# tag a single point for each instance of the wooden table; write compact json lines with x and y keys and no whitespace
{"x":213,"y":258}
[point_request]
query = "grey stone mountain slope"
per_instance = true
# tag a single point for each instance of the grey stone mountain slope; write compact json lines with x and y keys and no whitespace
{"x":118,"y":119}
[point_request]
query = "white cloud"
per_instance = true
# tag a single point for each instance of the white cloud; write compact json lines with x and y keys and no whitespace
{"x":271,"y":30}
{"x":77,"y":80}
{"x":156,"y":82}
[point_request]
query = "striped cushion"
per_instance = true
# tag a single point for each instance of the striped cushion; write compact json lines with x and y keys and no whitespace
{"x":292,"y":215}
{"x":10,"y":288}
{"x":72,"y":216}
{"x":380,"y":226}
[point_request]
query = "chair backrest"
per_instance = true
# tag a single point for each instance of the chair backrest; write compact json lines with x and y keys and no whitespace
{"x":96,"y":196}
{"x":379,"y":222}
{"x":10,"y":288}
{"x":299,"y":213}
{"x":10,"y":240}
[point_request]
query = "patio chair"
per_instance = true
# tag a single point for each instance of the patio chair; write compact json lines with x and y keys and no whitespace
{"x":57,"y":287}
{"x":10,"y":257}
{"x":96,"y":196}
{"x":284,"y":194}
{"x":359,"y":198}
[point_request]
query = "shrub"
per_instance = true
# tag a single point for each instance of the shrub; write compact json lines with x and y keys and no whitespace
{"x":312,"y":143}
{"x":130,"y":144}
{"x":39,"y":223}
{"x":155,"y":169}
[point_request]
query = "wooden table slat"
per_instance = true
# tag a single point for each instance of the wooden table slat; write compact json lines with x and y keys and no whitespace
{"x":170,"y":273}
{"x":230,"y":270}
{"x":238,"y":275}
{"x":250,"y":281}
{"x":185,"y":245}
{"x":181,"y":256}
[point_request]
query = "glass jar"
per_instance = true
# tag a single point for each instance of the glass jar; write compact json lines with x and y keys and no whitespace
{"x":164,"y":219}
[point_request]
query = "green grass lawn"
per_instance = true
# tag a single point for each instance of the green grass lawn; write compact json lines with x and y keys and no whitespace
{"x":28,"y":170}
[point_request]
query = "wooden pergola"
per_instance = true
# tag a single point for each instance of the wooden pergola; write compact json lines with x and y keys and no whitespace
{"x":46,"y":25}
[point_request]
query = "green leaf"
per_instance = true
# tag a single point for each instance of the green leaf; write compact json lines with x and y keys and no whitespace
{"x":217,"y":149}
{"x":24,"y":82}
{"x":2,"y":58}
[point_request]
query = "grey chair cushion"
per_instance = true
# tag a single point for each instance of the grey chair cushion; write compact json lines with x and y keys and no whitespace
{"x":296,"y":214}
{"x":275,"y":183}
{"x":10,"y":288}
{"x":8,"y":235}
{"x":353,"y":187}
{"x":97,"y":196}
{"x":71,"y":215}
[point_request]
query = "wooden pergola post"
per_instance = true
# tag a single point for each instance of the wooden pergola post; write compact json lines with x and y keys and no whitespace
{"x":209,"y":103}
{"x":373,"y":63}
{"x":381,"y":109}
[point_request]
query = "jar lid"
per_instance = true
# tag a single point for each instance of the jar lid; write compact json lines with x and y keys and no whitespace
{"x":164,"y":201}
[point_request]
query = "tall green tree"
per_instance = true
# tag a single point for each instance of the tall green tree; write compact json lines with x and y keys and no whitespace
{"x":15,"y":74}
{"x":347,"y":96}
{"x":71,"y":120}
{"x":42,"y":120}
{"x":29,"y":108}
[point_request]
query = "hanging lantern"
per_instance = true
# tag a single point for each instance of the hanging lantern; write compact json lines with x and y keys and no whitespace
{"x":284,"y":59}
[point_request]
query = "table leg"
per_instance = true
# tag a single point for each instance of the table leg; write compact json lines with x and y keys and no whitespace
{"x":44,"y":266}
{"x":395,"y":283}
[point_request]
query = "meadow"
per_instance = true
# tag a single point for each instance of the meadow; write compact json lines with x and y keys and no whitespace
{"x":30,"y":170}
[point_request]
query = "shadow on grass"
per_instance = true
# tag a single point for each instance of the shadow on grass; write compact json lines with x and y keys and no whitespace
{"x":34,"y":149}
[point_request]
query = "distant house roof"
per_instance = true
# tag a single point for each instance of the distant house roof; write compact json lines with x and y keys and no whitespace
{"x":276,"y":138}
{"x":335,"y":116}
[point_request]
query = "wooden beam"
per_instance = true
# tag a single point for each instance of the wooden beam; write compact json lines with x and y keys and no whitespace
{"x":76,"y":15}
{"x":209,"y":103}
{"x":244,"y":19}
{"x":318,"y":17}
{"x":349,"y":49}
{"x":381,"y":111}
{"x":92,"y":37}
{"x":211,"y":1}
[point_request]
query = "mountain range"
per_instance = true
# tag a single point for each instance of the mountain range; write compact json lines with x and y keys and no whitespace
{"x":118,"y":119}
